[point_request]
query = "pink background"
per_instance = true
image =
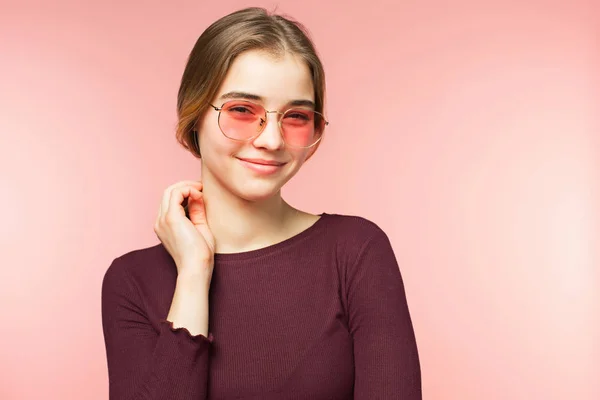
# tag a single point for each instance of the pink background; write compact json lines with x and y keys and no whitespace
{"x":466,"y":131}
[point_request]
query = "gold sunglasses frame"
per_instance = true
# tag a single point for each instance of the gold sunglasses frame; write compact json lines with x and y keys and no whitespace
{"x":265,"y":122}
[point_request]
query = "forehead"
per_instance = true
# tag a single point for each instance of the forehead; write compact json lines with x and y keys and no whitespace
{"x":278,"y":80}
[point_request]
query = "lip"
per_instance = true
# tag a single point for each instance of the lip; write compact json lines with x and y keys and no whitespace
{"x":261,"y":167}
{"x":262,"y":162}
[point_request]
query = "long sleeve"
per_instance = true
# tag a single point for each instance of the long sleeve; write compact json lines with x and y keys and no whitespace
{"x":146,"y":363}
{"x":385,"y":350}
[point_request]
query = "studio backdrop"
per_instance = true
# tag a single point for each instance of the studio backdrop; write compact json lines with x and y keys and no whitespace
{"x":467,"y":130}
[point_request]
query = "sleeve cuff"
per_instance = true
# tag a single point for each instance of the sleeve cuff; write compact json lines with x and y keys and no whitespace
{"x":199,"y":338}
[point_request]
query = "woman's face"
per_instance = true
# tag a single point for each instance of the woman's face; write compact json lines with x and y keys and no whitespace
{"x":276,"y":83}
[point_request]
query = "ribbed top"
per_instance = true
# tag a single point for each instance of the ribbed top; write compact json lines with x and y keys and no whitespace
{"x":274,"y":248}
{"x":320,"y":315}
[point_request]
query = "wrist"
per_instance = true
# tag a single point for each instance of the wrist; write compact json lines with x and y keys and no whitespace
{"x":194,"y":275}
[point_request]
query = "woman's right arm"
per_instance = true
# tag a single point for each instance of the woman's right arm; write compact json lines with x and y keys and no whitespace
{"x":173,"y":363}
{"x":144,"y":364}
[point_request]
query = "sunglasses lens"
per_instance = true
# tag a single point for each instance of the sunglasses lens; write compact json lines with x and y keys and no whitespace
{"x":243,"y":120}
{"x":302,"y":127}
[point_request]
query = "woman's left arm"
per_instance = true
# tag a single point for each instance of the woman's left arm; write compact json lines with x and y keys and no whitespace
{"x":386,"y":358}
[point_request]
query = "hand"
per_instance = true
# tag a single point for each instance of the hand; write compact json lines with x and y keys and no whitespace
{"x":188,"y":240}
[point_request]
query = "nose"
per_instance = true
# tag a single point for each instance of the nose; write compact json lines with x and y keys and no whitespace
{"x":270,"y":138}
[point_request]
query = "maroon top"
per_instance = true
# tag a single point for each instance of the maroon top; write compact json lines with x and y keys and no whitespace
{"x":321,"y":315}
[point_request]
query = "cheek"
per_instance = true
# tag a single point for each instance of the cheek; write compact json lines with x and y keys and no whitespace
{"x":211,"y":139}
{"x":218,"y":151}
{"x":301,"y":155}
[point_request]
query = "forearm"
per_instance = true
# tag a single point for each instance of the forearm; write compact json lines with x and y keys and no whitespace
{"x":189,"y":308}
{"x":145,"y":363}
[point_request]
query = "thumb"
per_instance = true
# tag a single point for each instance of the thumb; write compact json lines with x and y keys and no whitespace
{"x":196,"y":209}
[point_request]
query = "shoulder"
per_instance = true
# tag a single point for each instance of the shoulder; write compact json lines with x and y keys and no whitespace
{"x":364,"y":254}
{"x":136,"y":266}
{"x":354,"y":236}
{"x":353,"y":228}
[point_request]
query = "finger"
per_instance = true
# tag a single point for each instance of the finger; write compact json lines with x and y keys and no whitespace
{"x":178,"y":195}
{"x":197,"y":184}
{"x":195,"y":194}
{"x":196,"y":198}
{"x":165,"y":202}
{"x":167,"y":194}
{"x":196,"y":208}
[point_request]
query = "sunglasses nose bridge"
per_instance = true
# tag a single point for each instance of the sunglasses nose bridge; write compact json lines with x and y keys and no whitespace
{"x":274,"y":112}
{"x":263,"y":121}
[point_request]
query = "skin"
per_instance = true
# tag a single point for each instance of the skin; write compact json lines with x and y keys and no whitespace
{"x":233,"y":209}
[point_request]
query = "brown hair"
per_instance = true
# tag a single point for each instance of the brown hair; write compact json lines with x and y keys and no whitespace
{"x":216,"y":48}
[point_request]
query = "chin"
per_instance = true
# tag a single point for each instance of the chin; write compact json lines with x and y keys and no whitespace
{"x":258,"y":196}
{"x":257,"y":191}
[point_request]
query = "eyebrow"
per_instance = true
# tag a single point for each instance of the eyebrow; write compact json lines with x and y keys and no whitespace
{"x":254,"y":97}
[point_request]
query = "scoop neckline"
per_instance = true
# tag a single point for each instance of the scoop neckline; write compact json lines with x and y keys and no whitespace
{"x":263,"y":251}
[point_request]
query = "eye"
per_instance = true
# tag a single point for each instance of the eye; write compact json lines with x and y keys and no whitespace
{"x":240,"y":109}
{"x":301,"y":115}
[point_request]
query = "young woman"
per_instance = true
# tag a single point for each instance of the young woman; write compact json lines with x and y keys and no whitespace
{"x":247,"y":297}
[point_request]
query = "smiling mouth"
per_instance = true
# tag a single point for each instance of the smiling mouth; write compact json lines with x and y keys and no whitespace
{"x":261,"y":169}
{"x":263,"y":162}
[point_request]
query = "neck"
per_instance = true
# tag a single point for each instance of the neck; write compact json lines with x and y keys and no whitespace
{"x":242,"y":225}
